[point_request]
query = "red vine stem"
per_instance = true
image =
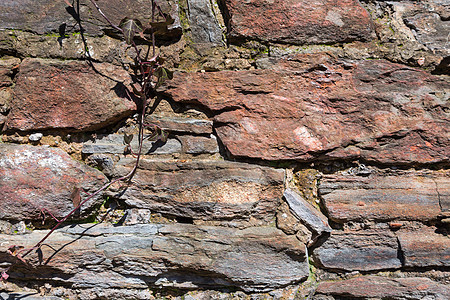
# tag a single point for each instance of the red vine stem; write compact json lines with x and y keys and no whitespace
{"x":144,"y":91}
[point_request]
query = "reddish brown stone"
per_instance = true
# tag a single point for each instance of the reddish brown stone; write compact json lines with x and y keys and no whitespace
{"x":312,"y":106}
{"x":205,"y":190}
{"x":425,"y":248}
{"x":299,"y":21}
{"x":68,"y":95}
{"x":377,"y":287}
{"x":359,"y":251}
{"x":382,"y":198}
{"x":33,"y":178}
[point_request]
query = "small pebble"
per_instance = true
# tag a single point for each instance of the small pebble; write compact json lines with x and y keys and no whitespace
{"x":35,"y":137}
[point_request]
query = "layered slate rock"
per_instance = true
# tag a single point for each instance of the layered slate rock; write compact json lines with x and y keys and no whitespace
{"x":366,"y":250}
{"x":376,"y":287}
{"x":68,"y":95}
{"x":305,"y":212}
{"x":47,"y":16}
{"x":35,"y":178}
{"x":114,"y":144}
{"x":315,"y":107}
{"x":298,"y":21}
{"x":203,"y":23}
{"x":425,"y":248}
{"x":204,"y":190}
{"x":179,"y":255}
{"x":383,"y":197}
{"x":178,"y":124}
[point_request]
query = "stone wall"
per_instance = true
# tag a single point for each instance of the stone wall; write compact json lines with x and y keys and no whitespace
{"x":307,"y":157}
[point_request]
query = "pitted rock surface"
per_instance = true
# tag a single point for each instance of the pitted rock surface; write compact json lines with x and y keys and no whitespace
{"x":34,"y":178}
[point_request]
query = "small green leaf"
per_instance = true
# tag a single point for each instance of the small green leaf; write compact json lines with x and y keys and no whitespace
{"x":163,"y":136}
{"x":162,"y":22}
{"x":130,"y":27}
{"x":162,"y":74}
{"x":127,"y":138}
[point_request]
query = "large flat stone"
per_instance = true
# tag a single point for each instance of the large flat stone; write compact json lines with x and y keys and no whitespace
{"x":299,"y":21}
{"x":425,"y":248}
{"x":366,"y":250}
{"x":384,"y":197}
{"x":313,"y":106}
{"x":204,"y":190}
{"x":46,"y":16}
{"x":377,"y":287}
{"x":68,"y":95}
{"x":33,"y":178}
{"x":179,"y":255}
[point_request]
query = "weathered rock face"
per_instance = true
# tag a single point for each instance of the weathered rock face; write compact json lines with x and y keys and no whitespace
{"x":428,"y":21}
{"x":313,"y":157}
{"x":180,"y":256}
{"x":422,"y":248}
{"x":204,"y":190}
{"x":359,"y":251}
{"x":384,"y":198}
{"x":203,"y":23}
{"x":8,"y":67}
{"x":34,"y":178}
{"x":305,"y":212}
{"x":314,"y":107}
{"x":48,"y":16}
{"x":72,"y":96}
{"x":384,"y":288}
{"x":299,"y":21}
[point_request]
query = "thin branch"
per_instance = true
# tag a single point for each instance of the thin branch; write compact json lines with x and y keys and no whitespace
{"x":105,"y":17}
{"x":145,"y":82}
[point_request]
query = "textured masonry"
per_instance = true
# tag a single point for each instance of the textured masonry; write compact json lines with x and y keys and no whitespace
{"x":307,"y":156}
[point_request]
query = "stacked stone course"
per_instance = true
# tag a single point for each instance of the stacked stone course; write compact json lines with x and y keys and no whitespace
{"x":307,"y":156}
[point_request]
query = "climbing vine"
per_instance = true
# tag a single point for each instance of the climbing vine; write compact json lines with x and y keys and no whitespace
{"x":148,"y":73}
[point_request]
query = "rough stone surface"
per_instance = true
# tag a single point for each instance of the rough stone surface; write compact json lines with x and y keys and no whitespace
{"x":312,"y":106}
{"x":428,"y":21}
{"x":384,"y":198}
{"x":68,"y":95}
{"x":47,"y":16}
{"x":299,"y":21}
{"x":305,"y":212}
{"x":204,"y":190}
{"x":114,"y":144}
{"x":425,"y":248}
{"x":33,"y":178}
{"x":174,"y":124}
{"x":8,"y":68}
{"x":199,"y":144}
{"x":204,"y":26}
{"x":181,"y":256}
{"x":376,"y":287}
{"x":366,"y":250}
